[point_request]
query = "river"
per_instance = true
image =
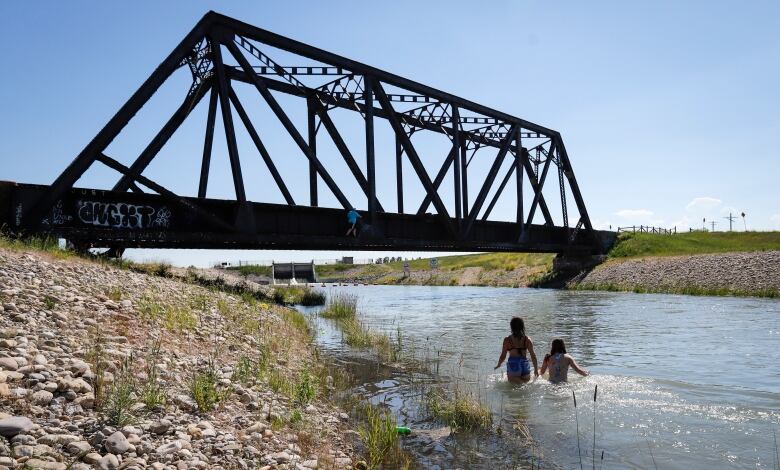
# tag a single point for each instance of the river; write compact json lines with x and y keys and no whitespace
{"x":683,"y":382}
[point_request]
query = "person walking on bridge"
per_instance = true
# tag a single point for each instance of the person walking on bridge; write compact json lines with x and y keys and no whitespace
{"x":518,"y":370}
{"x":352,"y":218}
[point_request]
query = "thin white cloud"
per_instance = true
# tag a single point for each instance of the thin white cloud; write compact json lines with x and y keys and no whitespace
{"x":703,"y":203}
{"x":633,"y":213}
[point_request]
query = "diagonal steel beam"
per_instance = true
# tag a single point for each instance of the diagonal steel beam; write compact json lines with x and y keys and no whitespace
{"x":207,"y":144}
{"x":115,"y":165}
{"x":533,"y":178}
{"x":330,"y":127}
{"x":411,"y":153}
{"x":159,"y":140}
{"x":115,"y":125}
{"x":260,"y":147}
{"x":498,"y":192}
{"x":287,"y":123}
{"x":445,"y":167}
{"x":474,"y":212}
{"x":540,"y":184}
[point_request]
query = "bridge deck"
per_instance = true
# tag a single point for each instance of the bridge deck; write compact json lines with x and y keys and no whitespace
{"x":137,"y":220}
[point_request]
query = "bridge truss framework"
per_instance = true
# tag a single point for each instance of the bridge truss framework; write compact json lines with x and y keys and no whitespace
{"x":375,"y":94}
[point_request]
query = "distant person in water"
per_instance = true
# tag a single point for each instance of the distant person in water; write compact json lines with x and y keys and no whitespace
{"x":518,"y":370}
{"x":558,"y":362}
{"x":352,"y":218}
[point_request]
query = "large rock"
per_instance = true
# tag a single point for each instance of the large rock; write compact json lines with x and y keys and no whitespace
{"x":42,"y":397}
{"x":117,"y":443}
{"x":8,"y":363}
{"x":108,"y":462}
{"x":169,"y":448}
{"x":9,"y":427}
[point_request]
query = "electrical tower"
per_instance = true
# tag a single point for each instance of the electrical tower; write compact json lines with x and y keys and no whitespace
{"x":731,"y":220}
{"x":713,"y":225}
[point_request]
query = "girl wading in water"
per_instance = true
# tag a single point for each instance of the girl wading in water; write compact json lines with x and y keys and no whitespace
{"x":518,"y":370}
{"x":558,"y":363}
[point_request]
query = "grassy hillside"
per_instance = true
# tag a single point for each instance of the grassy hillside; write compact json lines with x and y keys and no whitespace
{"x":488,"y":261}
{"x":632,"y":245}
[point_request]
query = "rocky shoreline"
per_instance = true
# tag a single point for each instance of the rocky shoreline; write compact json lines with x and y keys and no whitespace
{"x":73,"y":331}
{"x":747,"y":273}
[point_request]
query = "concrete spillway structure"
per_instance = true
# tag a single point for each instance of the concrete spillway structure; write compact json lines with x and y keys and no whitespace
{"x":290,"y":273}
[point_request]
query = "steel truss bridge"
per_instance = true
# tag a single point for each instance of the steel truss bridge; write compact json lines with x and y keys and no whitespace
{"x":138,"y":212}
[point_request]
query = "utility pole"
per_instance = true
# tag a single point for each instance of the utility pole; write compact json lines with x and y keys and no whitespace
{"x":713,"y":225}
{"x":704,"y":223}
{"x":743,"y":221}
{"x":731,"y":220}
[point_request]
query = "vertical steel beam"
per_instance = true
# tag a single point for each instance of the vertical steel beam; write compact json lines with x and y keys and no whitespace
{"x":368,"y":97}
{"x":456,"y":172}
{"x":261,"y":147}
{"x":399,"y":174}
{"x":286,"y":122}
{"x":227,"y":121}
{"x":519,"y":156}
{"x":313,"y":146}
{"x":207,"y":144}
{"x":464,"y":168}
{"x":114,"y":126}
{"x":575,"y":188}
{"x":414,"y":159}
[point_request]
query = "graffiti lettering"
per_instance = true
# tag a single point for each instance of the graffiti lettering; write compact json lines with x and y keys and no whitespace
{"x":121,"y":215}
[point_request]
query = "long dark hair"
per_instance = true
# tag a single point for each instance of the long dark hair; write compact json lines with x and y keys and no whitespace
{"x":558,"y":346}
{"x":518,"y":327}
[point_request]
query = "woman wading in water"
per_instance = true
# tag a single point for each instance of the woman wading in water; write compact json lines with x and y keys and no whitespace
{"x":558,"y":362}
{"x":518,"y":370}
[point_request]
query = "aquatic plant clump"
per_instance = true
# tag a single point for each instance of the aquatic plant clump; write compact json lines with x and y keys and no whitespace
{"x":460,"y":411}
{"x":340,"y":306}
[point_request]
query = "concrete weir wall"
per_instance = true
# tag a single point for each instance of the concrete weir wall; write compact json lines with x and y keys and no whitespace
{"x":301,"y":272}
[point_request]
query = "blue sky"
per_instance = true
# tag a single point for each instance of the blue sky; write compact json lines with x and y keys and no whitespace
{"x":668,"y":109}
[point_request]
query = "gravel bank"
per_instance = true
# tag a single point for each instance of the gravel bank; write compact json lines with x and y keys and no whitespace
{"x":748,"y":273}
{"x":53,"y":313}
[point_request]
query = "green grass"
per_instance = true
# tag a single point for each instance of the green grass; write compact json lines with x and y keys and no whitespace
{"x":340,"y":306}
{"x":121,"y":397}
{"x":204,"y":388}
{"x":487,"y":261}
{"x":49,"y":245}
{"x":298,"y":295}
{"x":680,"y":290}
{"x":459,"y":410}
{"x":380,"y":438}
{"x":632,"y":245}
{"x":252,"y":270}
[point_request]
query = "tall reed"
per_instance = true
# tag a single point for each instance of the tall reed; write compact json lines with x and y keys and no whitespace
{"x":595,"y":394}
{"x":577,"y":420}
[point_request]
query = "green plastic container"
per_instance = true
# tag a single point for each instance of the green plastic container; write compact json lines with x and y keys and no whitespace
{"x":403,"y":430}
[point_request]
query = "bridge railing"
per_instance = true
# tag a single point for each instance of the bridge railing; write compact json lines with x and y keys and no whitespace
{"x":647,"y":229}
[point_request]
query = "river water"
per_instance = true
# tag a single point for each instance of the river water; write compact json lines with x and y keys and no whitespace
{"x":683,"y":382}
